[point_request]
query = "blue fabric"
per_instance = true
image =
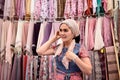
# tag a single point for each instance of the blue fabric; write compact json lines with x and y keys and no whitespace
{"x":72,"y":66}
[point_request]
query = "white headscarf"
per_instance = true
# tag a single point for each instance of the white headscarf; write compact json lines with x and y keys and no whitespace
{"x":75,"y":30}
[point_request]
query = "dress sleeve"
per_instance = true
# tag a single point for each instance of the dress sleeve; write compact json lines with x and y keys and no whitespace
{"x":83,"y":52}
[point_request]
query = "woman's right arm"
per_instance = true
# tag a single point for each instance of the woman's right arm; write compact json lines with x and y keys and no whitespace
{"x":45,"y":49}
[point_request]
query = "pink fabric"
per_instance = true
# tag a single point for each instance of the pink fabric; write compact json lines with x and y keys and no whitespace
{"x":91,"y":28}
{"x":107,"y":34}
{"x":70,"y":8}
{"x":82,"y":31}
{"x":18,"y":7}
{"x":29,"y":36}
{"x":8,"y":55}
{"x":80,"y":8}
{"x":51,"y":8}
{"x":44,"y":9}
{"x":22,"y":9}
{"x":24,"y":34}
{"x":67,"y":9}
{"x":37,"y":9}
{"x":73,"y":76}
{"x":73,"y":8}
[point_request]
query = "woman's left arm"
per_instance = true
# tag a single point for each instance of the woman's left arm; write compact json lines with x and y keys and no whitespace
{"x":83,"y":61}
{"x":84,"y":64}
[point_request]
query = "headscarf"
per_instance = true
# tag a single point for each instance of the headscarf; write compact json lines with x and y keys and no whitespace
{"x":75,"y":30}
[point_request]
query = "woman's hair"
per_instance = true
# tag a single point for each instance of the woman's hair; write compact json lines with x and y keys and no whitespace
{"x":77,"y":39}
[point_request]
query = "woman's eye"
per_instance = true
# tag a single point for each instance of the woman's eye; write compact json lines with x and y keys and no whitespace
{"x":60,"y":30}
{"x":65,"y":30}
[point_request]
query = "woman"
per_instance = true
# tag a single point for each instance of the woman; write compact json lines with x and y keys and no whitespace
{"x":71,"y":58}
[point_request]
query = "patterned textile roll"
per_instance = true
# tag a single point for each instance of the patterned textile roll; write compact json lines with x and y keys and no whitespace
{"x":111,"y":64}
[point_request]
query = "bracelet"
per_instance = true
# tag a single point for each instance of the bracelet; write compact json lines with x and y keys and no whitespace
{"x":74,"y":59}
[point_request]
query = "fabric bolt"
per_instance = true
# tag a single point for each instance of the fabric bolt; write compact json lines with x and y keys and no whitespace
{"x":80,"y":8}
{"x":82,"y":31}
{"x":24,"y":35}
{"x":18,"y":3}
{"x":37,"y":9}
{"x":38,"y":67}
{"x":8,"y":55}
{"x":115,"y":20}
{"x":111,"y":63}
{"x":18,"y":41}
{"x":73,"y":8}
{"x":67,"y":9}
{"x":29,"y":37}
{"x":14,"y":69}
{"x":41,"y":34}
{"x":5,"y":27}
{"x":103,"y":65}
{"x":35,"y":37}
{"x":32,"y":5}
{"x":51,"y":8}
{"x":118,"y":30}
{"x":7,"y":7}
{"x":47,"y":32}
{"x":98,"y":70}
{"x":91,"y":28}
{"x":99,"y":4}
{"x":28,"y":8}
{"x":2,"y":71}
{"x":98,"y":36}
{"x":31,"y":70}
{"x":2,"y":4}
{"x":22,"y":9}
{"x":55,"y":8}
{"x":86,"y":32}
{"x":1,"y":22}
{"x":105,"y":5}
{"x":28,"y":68}
{"x":13,"y":38}
{"x":94,"y":2}
{"x":110,"y":5}
{"x":43,"y":74}
{"x":60,"y":8}
{"x":107,"y":34}
{"x":89,"y":11}
{"x":9,"y":71}
{"x":19,"y":68}
{"x":44,"y":9}
{"x":35,"y":66}
{"x":85,"y":5}
{"x":6,"y":70}
{"x":24,"y":67}
{"x":92,"y":58}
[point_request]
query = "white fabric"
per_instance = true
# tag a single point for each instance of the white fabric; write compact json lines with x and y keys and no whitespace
{"x":98,"y":35}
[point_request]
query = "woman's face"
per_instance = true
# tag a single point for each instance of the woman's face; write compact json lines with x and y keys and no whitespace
{"x":65,"y":33}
